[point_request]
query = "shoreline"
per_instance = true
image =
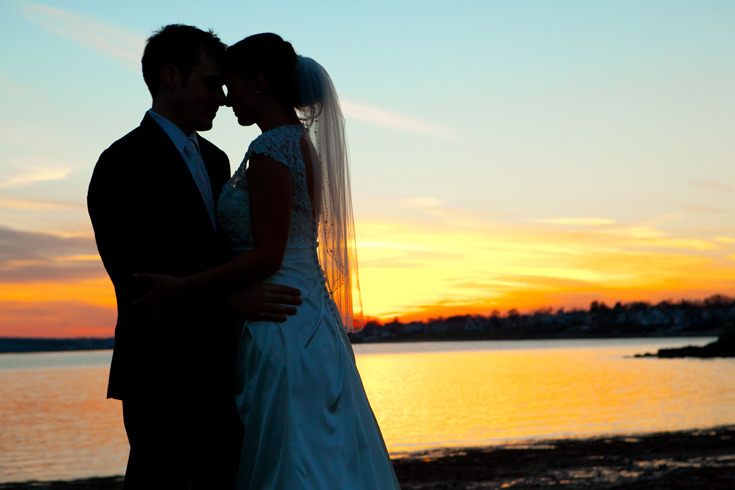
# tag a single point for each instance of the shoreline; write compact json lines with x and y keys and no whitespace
{"x":29,"y":345}
{"x":406,"y":339}
{"x":692,"y":459}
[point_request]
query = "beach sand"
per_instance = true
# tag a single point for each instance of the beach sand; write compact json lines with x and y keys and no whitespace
{"x":700,"y":459}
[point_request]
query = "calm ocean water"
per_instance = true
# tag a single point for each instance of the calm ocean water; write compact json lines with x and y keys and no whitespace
{"x":56,"y":424}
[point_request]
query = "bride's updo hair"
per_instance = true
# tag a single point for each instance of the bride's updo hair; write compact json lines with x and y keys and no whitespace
{"x":270,"y":55}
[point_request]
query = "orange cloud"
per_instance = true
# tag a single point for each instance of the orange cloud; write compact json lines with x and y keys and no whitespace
{"x":82,"y":308}
{"x":53,"y":286}
{"x":475,"y":267}
{"x":55,"y":319}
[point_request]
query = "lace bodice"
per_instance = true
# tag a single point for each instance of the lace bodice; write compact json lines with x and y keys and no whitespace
{"x":283,"y":144}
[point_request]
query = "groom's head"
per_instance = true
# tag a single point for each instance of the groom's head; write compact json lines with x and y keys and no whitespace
{"x":181,"y":67}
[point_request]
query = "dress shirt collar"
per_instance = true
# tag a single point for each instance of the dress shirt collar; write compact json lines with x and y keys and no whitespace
{"x":177,"y":136}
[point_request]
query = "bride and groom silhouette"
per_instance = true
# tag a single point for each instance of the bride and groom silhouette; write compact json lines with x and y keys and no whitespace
{"x":234,"y":293}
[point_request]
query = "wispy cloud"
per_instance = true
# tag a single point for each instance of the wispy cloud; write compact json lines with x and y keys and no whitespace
{"x":441,"y":209}
{"x":705,"y":210}
{"x":89,"y":32}
{"x":589,"y":221}
{"x":714,"y":186}
{"x":682,"y":243}
{"x":393,"y":246}
{"x":395,"y":120}
{"x":33,"y":257}
{"x":10,"y":87}
{"x":426,"y":202}
{"x":30,"y":205}
{"x":603,"y":230}
{"x":636,"y":232}
{"x":39,"y":170}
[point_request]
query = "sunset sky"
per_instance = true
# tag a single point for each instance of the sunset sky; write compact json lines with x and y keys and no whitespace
{"x":505,"y":154}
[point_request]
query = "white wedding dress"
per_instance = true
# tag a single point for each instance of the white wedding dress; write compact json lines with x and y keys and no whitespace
{"x":308,"y":423}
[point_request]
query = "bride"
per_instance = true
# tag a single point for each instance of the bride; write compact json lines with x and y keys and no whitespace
{"x":288,"y":213}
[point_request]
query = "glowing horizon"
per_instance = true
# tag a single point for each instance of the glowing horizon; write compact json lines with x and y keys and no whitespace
{"x":419,"y":275}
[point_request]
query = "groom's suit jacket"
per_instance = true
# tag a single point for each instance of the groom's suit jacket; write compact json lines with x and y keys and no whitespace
{"x":148,"y":216}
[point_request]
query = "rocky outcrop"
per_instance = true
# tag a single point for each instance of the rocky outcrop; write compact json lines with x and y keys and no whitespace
{"x":722,"y":347}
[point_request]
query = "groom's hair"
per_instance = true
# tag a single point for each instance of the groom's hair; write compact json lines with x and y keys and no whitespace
{"x":181,"y":46}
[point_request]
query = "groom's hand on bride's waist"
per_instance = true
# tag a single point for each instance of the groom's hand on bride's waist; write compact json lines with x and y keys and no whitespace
{"x":266,"y":302}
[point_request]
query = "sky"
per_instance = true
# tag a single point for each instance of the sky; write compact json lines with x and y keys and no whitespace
{"x":505,"y":154}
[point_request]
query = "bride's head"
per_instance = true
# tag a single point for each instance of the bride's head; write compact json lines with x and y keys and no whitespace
{"x":263,"y":73}
{"x":260,"y":74}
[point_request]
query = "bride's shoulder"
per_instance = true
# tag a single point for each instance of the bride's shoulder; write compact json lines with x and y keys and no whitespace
{"x":278,"y":143}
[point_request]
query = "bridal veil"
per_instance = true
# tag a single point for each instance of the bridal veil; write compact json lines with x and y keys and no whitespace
{"x":320,"y":112}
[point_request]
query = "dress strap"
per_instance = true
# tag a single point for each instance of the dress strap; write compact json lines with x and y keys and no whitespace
{"x":281,"y":144}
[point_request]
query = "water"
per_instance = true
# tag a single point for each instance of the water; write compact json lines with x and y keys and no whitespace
{"x":54,"y":418}
{"x":56,"y":424}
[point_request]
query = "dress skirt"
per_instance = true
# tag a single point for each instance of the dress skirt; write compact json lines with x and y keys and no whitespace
{"x":308,"y":423}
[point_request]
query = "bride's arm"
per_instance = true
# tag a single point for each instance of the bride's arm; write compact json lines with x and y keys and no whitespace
{"x":270,"y":188}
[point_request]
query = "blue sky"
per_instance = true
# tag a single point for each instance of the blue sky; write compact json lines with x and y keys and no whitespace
{"x":477,"y":129}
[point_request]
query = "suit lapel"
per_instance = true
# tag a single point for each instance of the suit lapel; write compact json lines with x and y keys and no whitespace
{"x":212,"y":162}
{"x":172,"y":169}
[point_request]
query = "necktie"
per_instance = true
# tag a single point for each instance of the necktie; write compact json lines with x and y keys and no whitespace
{"x":196,"y":167}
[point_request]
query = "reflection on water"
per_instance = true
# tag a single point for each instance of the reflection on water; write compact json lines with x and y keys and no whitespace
{"x":57,"y":424}
{"x":478,"y":397}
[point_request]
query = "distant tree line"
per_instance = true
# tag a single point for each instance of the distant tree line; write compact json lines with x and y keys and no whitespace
{"x":710,"y":316}
{"x":23,"y":344}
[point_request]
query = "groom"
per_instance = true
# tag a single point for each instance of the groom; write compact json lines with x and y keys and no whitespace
{"x":152,"y":204}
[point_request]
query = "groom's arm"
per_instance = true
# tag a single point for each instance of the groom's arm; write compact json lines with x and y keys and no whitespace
{"x":263,"y":301}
